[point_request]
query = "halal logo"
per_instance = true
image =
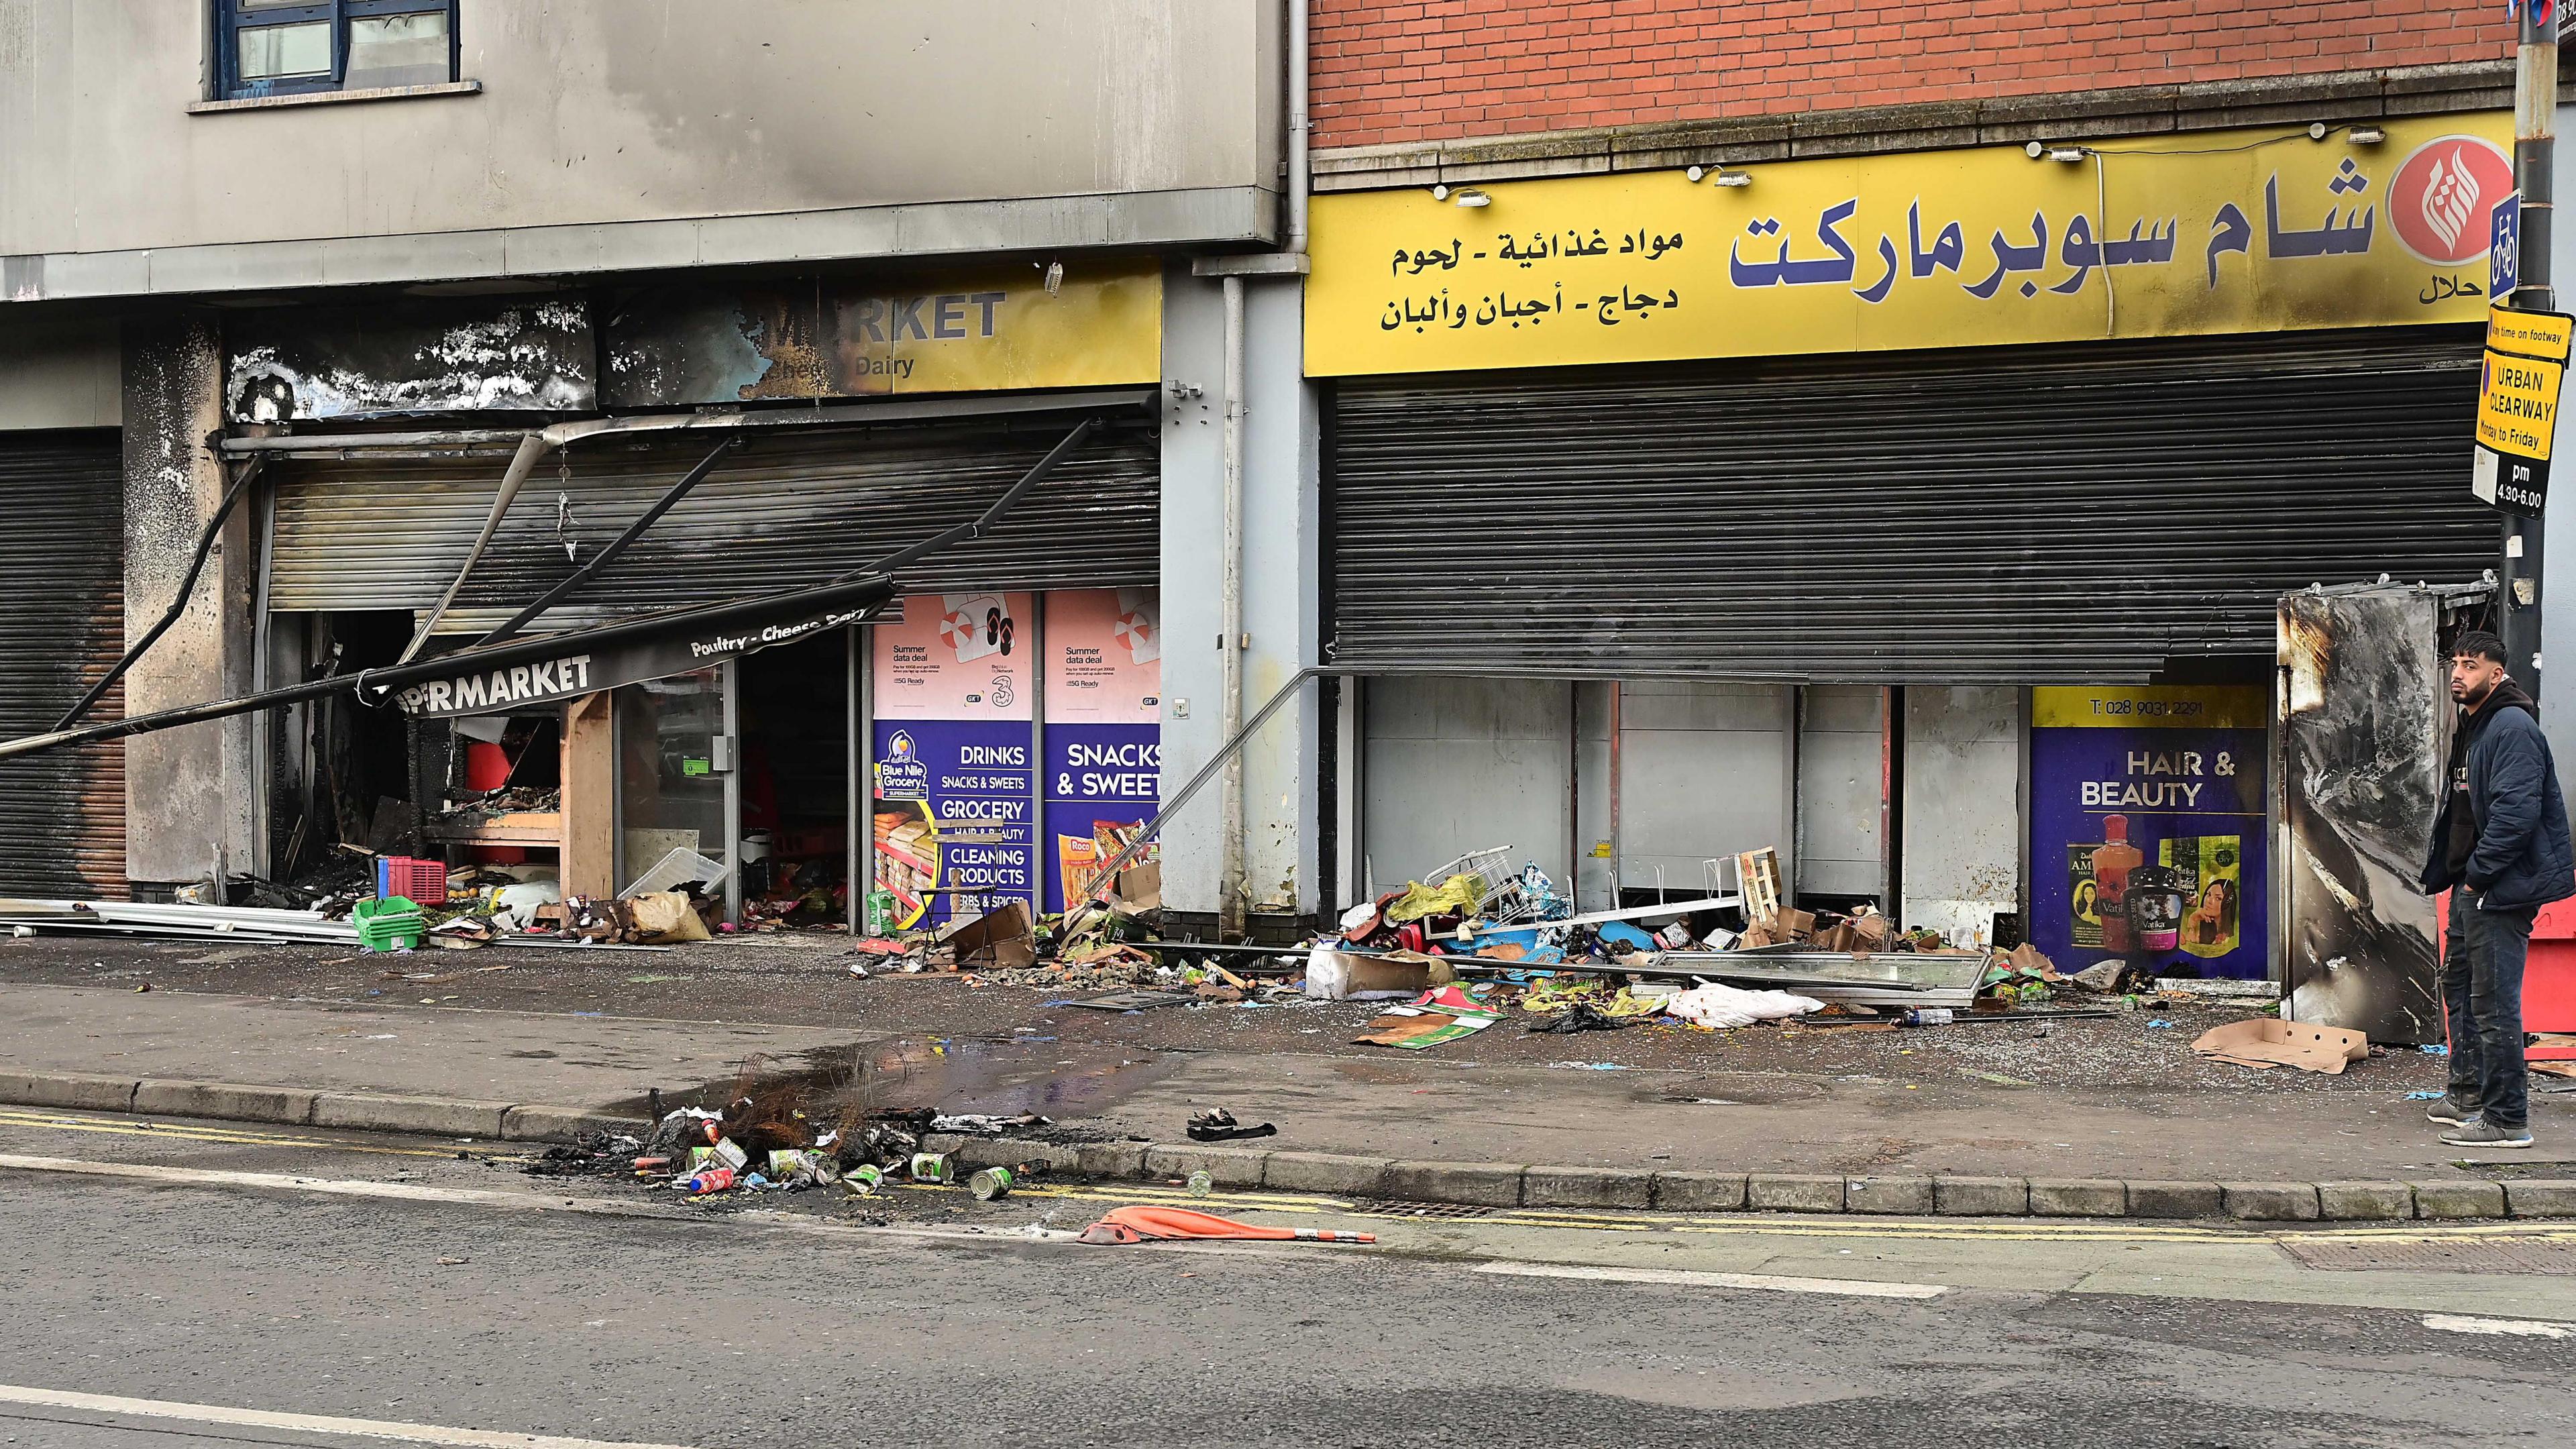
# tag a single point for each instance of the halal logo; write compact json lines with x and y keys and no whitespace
{"x":2443,"y":197}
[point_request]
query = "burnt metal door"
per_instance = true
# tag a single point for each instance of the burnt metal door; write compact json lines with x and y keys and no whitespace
{"x":2365,"y":725}
{"x":62,"y":815}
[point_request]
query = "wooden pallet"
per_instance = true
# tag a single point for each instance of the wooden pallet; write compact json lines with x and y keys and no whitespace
{"x":1757,"y":877}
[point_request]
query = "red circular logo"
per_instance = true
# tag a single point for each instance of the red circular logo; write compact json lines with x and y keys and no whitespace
{"x":2442,"y":198}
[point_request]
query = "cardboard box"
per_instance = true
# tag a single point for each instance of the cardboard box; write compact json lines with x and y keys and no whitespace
{"x":2268,"y":1041}
{"x":1869,"y":931}
{"x":1788,"y":924}
{"x":1141,"y":886}
{"x":1340,"y":975}
{"x":999,"y":939}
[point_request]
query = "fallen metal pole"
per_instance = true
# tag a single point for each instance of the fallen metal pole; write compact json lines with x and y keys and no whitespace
{"x":974,"y":528}
{"x":608,"y":555}
{"x":376,"y":685}
{"x":537,"y":444}
{"x":522,"y":463}
{"x":872,"y":579}
{"x":178,"y":601}
{"x":1107,"y":876}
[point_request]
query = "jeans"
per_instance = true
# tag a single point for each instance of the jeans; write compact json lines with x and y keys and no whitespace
{"x":2482,"y":999}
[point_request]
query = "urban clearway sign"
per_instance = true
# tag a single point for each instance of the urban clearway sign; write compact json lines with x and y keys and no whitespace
{"x":2525,"y":367}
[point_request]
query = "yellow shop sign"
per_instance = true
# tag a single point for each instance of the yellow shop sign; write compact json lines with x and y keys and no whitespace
{"x":2241,"y":231}
{"x":985,"y":328}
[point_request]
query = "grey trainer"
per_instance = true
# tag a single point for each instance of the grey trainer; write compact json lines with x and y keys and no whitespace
{"x":2454,"y":1110}
{"x":2483,"y":1133}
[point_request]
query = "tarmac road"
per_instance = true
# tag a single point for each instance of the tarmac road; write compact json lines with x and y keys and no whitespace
{"x":444,"y":1300}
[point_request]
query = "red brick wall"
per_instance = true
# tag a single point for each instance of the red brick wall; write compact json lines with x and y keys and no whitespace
{"x":1412,"y":70}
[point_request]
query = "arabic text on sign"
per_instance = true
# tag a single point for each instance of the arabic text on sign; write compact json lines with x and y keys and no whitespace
{"x":2242,"y":231}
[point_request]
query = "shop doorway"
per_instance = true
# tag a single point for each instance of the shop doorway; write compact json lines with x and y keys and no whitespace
{"x":742,"y":771}
{"x":794,"y":722}
{"x":670,"y":781}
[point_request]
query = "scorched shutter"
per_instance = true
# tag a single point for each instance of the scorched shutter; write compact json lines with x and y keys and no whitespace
{"x":2048,"y":514}
{"x":786,"y":510}
{"x":62,"y":813}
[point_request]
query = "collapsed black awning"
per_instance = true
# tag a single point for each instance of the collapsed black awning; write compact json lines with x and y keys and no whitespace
{"x":543,"y":670}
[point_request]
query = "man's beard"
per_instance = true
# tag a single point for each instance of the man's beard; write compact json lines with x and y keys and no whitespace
{"x":2477,"y":695}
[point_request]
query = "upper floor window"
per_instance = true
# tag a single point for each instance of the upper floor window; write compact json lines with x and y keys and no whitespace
{"x":284,"y":47}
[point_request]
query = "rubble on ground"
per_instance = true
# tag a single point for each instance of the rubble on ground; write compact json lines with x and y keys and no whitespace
{"x":779,"y":1138}
{"x":1477,"y":944}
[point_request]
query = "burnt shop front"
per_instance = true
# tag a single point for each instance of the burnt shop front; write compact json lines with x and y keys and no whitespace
{"x":1922,"y":516}
{"x":933,"y":754}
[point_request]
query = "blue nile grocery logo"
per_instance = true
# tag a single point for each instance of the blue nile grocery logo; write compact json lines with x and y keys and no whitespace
{"x":901,"y":775}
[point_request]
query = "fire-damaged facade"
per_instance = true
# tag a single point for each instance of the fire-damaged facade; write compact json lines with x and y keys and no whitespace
{"x":697,"y":320}
{"x":1608,"y":462}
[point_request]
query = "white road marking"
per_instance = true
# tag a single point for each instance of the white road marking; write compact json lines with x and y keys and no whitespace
{"x":2499,"y":1327}
{"x":1688,"y":1278}
{"x":305,"y":1423}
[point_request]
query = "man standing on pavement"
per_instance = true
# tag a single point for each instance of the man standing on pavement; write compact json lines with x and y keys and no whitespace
{"x":2500,"y":847}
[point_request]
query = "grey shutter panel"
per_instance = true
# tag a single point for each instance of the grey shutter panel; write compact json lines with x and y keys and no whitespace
{"x":2066,"y":514}
{"x":62,"y":813}
{"x":787,"y":509}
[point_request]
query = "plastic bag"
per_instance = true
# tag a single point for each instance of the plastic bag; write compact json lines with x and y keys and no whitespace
{"x":1717,"y":1006}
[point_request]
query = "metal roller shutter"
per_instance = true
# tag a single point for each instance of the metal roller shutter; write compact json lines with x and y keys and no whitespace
{"x":786,"y":509}
{"x":62,"y":813}
{"x":2066,"y":514}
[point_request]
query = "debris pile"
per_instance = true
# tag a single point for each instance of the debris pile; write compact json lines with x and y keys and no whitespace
{"x":767,"y":1141}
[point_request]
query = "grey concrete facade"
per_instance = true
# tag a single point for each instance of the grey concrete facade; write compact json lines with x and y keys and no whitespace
{"x":1281,"y":612}
{"x":58,"y":369}
{"x":1455,"y":765}
{"x":1962,"y":858}
{"x":608,"y":135}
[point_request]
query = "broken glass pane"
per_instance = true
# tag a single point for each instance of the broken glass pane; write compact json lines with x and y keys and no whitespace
{"x":272,"y":52}
{"x":398,"y":50}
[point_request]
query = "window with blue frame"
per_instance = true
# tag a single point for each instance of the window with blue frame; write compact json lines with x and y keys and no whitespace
{"x":290,"y":47}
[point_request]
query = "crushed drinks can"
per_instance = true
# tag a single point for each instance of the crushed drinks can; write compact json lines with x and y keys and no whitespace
{"x":862,"y":1180}
{"x":932,"y":1167}
{"x":992,"y":1183}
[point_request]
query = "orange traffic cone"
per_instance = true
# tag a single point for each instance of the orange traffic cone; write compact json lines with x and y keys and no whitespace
{"x":1138,"y":1224}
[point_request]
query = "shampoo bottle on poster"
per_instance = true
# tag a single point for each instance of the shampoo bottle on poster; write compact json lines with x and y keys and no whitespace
{"x":2155,"y":901}
{"x":2112,"y":862}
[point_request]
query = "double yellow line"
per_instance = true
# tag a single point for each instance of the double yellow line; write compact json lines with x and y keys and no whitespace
{"x":122,"y":1127}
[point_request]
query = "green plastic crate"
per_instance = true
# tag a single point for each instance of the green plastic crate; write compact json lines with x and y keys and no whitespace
{"x":389,"y":923}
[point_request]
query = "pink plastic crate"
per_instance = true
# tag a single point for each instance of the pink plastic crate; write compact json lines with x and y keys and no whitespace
{"x":422,"y":882}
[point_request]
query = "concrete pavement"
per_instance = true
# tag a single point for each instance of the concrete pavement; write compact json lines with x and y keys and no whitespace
{"x":1823,"y":1142}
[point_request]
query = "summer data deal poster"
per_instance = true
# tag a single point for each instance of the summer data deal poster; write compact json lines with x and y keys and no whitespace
{"x":1104,"y":739}
{"x":2147,"y":828}
{"x":953,"y":790}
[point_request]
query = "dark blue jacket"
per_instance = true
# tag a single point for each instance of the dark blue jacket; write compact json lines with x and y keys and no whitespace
{"x":2523,"y":858}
